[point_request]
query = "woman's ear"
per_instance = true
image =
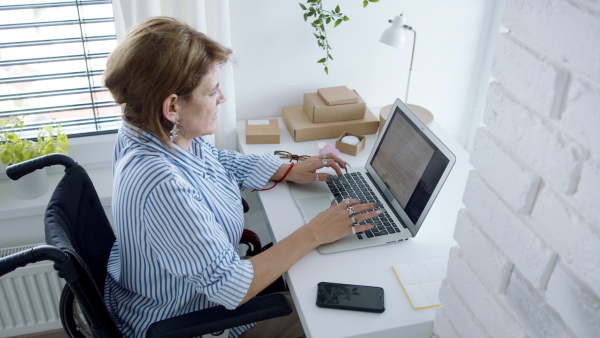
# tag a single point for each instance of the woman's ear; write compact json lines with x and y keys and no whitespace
{"x":169,"y":108}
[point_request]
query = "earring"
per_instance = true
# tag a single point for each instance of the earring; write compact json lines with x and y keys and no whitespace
{"x":174,"y":130}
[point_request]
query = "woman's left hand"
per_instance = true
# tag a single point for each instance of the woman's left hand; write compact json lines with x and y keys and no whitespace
{"x":306,"y":171}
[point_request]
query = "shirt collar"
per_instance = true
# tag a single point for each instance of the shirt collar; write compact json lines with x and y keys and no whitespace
{"x":179,"y":156}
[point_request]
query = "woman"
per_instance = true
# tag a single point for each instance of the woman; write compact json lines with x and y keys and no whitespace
{"x":176,"y":204}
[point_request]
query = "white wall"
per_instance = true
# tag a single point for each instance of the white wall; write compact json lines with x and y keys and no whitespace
{"x":277,"y":56}
{"x":528,"y":259}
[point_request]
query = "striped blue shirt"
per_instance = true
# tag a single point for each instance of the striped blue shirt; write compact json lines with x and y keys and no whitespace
{"x":178,"y":221}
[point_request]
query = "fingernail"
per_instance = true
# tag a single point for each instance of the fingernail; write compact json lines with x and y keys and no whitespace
{"x":378,"y":205}
{"x":380,"y":211}
{"x":332,"y":178}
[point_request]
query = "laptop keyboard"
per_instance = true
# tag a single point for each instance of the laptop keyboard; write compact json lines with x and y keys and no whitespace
{"x":353,"y":185}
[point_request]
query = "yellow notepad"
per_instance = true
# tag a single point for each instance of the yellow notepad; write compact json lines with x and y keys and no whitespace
{"x":421,"y":281}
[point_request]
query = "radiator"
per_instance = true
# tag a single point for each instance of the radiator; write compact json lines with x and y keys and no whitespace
{"x":29,"y":298}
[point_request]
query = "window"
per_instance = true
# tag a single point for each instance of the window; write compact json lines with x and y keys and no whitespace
{"x":52,"y":56}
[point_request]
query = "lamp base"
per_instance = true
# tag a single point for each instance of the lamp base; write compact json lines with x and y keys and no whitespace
{"x":422,"y":113}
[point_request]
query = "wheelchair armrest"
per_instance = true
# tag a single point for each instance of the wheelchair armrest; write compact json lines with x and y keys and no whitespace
{"x":218,"y":318}
{"x":33,"y":255}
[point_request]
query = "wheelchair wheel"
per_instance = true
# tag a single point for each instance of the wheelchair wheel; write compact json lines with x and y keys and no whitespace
{"x":71,"y":316}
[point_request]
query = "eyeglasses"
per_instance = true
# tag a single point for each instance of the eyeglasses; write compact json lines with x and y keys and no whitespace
{"x":292,"y":157}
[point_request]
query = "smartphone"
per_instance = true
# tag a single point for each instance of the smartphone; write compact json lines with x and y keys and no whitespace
{"x":350,"y":297}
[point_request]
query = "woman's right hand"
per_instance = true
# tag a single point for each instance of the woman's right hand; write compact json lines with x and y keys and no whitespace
{"x":336,"y":222}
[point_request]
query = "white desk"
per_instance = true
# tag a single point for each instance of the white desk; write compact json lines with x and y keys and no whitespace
{"x":370,"y":266}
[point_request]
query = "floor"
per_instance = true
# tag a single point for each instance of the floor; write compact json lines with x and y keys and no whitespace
{"x":47,"y":334}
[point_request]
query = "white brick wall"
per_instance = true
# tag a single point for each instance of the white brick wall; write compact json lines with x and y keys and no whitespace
{"x":530,"y":307}
{"x":483,"y":303}
{"x":492,"y":264}
{"x":510,"y":178}
{"x":458,"y":315}
{"x":566,"y":232}
{"x":528,"y":257}
{"x":535,"y":139}
{"x":576,"y":304}
{"x":510,"y":232}
{"x":564,"y":30}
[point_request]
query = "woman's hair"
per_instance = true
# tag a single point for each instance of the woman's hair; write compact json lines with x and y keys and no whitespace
{"x":159,"y":57}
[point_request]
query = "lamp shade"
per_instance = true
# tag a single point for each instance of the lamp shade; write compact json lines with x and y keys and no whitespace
{"x":394,"y":35}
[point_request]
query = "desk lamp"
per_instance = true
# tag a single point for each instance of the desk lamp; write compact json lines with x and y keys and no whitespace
{"x":394,"y":36}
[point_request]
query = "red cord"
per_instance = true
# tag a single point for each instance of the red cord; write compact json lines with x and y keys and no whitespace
{"x":281,"y":180}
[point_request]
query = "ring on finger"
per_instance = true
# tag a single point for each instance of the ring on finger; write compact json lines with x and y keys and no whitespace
{"x":317,"y":177}
{"x":324,"y":156}
{"x":350,"y":210}
{"x":325,"y":163}
{"x":353,"y":230}
{"x":354,"y":220}
{"x":347,"y":201}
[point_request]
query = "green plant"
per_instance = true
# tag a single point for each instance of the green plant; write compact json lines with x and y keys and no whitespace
{"x":14,"y":149}
{"x":314,"y":10}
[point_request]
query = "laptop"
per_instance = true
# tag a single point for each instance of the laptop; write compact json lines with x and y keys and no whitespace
{"x":405,"y":172}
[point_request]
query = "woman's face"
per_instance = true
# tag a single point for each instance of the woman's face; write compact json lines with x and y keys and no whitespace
{"x":198,"y":115}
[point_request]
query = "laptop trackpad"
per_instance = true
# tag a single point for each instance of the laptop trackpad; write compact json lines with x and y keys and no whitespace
{"x":312,"y":206}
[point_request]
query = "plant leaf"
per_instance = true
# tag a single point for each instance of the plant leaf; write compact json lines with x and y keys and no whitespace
{"x":337,"y":22}
{"x":63,"y":143}
{"x":13,"y":138}
{"x":345,"y":18}
{"x":5,"y":157}
{"x":337,"y":9}
{"x":365,"y":3}
{"x":302,"y":6}
{"x":322,"y":60}
{"x":326,"y":70}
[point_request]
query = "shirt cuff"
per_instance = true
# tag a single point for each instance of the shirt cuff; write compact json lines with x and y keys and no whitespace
{"x":265,"y":168}
{"x":232,"y":292}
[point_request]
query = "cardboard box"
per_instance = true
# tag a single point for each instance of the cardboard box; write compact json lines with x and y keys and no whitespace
{"x":318,"y":111}
{"x":349,"y":148}
{"x":334,"y":96}
{"x":302,"y":129}
{"x":262,"y":131}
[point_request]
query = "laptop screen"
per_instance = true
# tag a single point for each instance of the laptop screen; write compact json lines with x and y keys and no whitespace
{"x":409,"y":164}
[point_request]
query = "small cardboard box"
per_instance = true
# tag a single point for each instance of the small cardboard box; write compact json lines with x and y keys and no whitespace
{"x":334,"y":96}
{"x":349,"y":148}
{"x":302,"y":129}
{"x":318,"y":111}
{"x":262,"y":131}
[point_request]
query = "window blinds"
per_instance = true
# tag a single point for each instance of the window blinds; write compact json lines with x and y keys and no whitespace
{"x":52,"y":56}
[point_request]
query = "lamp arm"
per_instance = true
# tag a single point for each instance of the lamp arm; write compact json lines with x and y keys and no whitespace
{"x":412,"y":57}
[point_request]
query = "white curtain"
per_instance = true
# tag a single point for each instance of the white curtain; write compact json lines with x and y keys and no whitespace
{"x":208,"y":16}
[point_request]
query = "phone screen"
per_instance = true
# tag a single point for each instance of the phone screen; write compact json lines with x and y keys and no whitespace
{"x":350,"y":297}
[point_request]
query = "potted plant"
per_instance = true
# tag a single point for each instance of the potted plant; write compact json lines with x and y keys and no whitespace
{"x":16,"y":149}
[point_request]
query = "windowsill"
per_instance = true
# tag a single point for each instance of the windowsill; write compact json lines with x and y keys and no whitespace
{"x":94,"y":153}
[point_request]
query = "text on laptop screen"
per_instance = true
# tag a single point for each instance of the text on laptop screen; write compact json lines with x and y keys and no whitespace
{"x":409,"y":164}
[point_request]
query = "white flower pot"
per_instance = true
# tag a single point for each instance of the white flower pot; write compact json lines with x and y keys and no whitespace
{"x":32,"y":185}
